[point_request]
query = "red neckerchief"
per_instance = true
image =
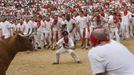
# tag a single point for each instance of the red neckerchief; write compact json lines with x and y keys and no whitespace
{"x":38,"y":23}
{"x":66,"y":40}
{"x":102,"y":13}
{"x":125,"y":12}
{"x":96,"y":42}
{"x":98,"y":17}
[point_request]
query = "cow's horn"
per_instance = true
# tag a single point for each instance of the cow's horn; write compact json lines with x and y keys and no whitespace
{"x":21,"y":35}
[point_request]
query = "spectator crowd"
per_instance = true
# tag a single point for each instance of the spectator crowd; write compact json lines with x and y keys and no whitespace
{"x":45,"y":20}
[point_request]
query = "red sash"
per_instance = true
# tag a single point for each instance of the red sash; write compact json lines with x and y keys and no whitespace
{"x":83,"y":37}
{"x":55,"y":22}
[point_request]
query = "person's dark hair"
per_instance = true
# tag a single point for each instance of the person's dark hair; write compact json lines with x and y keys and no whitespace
{"x":114,"y":13}
{"x":81,"y":12}
{"x":65,"y":33}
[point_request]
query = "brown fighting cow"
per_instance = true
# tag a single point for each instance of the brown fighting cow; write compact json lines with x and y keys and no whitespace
{"x":9,"y":48}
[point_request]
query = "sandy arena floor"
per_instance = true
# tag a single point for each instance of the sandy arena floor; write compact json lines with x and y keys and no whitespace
{"x":40,"y":63}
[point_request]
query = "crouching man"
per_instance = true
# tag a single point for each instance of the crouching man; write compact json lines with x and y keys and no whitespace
{"x":109,"y":57}
{"x":66,"y":46}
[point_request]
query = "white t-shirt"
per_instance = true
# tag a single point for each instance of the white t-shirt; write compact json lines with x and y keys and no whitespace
{"x":28,"y":27}
{"x":48,"y":25}
{"x":19,"y":27}
{"x":112,"y":57}
{"x":82,"y":21}
{"x":125,"y":19}
{"x":42,"y":26}
{"x":5,"y":28}
{"x":60,"y":20}
{"x":69,"y":24}
{"x":57,"y":26}
{"x":111,"y":21}
{"x":61,"y":41}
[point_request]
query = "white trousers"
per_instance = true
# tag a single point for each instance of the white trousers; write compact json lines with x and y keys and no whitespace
{"x":125,"y":30}
{"x":114,"y":34}
{"x":39,"y":39}
{"x":70,"y":51}
{"x":132,"y":29}
{"x":47,"y":37}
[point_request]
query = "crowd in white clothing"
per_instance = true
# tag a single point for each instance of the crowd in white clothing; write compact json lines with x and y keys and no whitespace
{"x":45,"y":21}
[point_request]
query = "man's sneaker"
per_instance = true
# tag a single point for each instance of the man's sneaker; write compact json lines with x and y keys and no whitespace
{"x":39,"y":48}
{"x":79,"y":62}
{"x":88,"y":44}
{"x":56,"y":63}
{"x":83,"y":47}
{"x":86,"y":47}
{"x":44,"y":46}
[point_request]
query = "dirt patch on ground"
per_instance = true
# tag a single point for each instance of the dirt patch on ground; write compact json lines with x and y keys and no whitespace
{"x":40,"y":63}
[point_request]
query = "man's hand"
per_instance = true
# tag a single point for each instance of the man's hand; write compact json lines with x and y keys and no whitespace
{"x":65,"y":46}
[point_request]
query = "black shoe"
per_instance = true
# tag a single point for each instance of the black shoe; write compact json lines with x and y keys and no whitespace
{"x":48,"y":47}
{"x":79,"y":62}
{"x":88,"y":44}
{"x":44,"y":46}
{"x":39,"y":47}
{"x":83,"y":47}
{"x":55,"y":63}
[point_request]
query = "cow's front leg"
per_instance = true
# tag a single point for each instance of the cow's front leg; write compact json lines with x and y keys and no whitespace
{"x":2,"y":72}
{"x":2,"y":69}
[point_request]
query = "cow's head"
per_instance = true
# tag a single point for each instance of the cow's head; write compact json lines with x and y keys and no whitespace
{"x":23,"y":42}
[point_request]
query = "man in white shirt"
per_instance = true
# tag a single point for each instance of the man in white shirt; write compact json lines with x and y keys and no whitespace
{"x":109,"y":57}
{"x":125,"y":24}
{"x":13,"y":27}
{"x":132,"y":23}
{"x":19,"y":25}
{"x":28,"y":27}
{"x":55,"y":29}
{"x":70,"y":26}
{"x":5,"y":28}
{"x":67,"y":46}
{"x":113,"y":27}
{"x":84,"y":28}
{"x":48,"y":24}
